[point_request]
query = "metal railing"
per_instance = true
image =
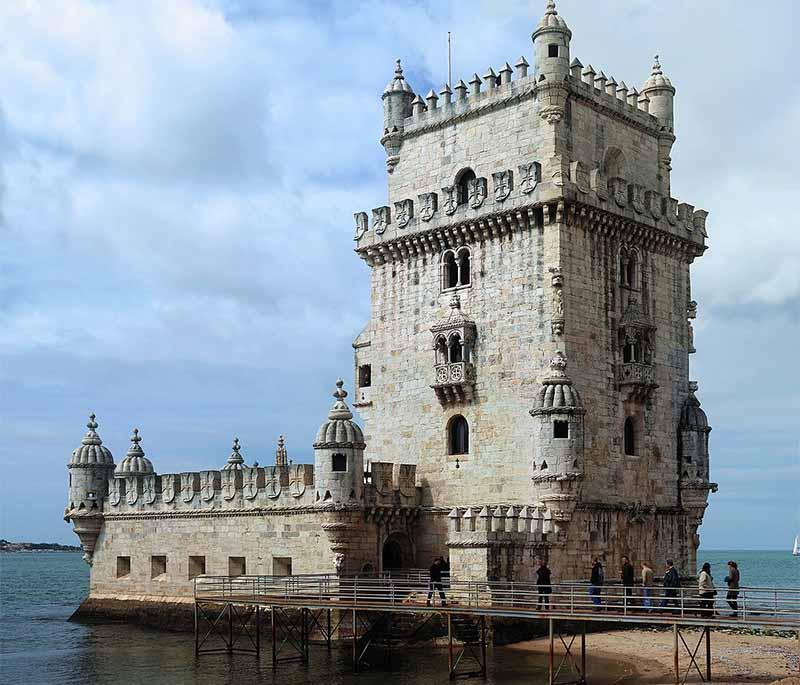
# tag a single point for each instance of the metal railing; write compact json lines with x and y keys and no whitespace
{"x":777,"y":607}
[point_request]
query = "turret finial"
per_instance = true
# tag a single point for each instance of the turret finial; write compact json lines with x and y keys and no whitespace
{"x":398,"y":70}
{"x":340,"y":393}
{"x":455,"y":301}
{"x":236,"y":460}
{"x":92,"y":425}
{"x":280,"y":453}
{"x":558,"y":365}
{"x":551,"y":7}
{"x":656,"y":67}
{"x":136,"y":438}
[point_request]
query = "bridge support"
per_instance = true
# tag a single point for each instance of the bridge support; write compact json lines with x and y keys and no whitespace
{"x":577,"y":666}
{"x":237,"y":626}
{"x":681,"y":676}
{"x":289,"y":634}
{"x":369,"y":633}
{"x":470,"y":661}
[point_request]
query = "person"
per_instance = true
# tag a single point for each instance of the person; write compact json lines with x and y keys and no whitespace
{"x":672,"y":581}
{"x":647,"y":586}
{"x":543,"y":583}
{"x":627,"y":580}
{"x":435,"y":581}
{"x":705,"y":585}
{"x":596,"y":581}
{"x":732,"y":580}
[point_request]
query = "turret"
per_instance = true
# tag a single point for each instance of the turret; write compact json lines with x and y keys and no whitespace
{"x":661,"y":93}
{"x":693,"y":439}
{"x":339,"y":454}
{"x":135,"y":462}
{"x":397,"y":99}
{"x":236,"y":460}
{"x":90,"y":467}
{"x":551,"y":46}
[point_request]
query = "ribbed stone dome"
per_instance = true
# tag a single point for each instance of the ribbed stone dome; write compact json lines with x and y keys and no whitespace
{"x":135,"y":463}
{"x":692,"y":416}
{"x":398,"y":83}
{"x":557,"y":392}
{"x":91,"y":452}
{"x":657,"y":78}
{"x":340,"y":430}
{"x":552,"y":20}
{"x":235,"y":461}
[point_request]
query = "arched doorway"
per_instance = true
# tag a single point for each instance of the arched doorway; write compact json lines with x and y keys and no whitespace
{"x":397,"y":553}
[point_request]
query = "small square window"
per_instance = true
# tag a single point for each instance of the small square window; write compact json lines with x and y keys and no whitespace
{"x":197,"y":567}
{"x":237,"y":566}
{"x":339,"y":462}
{"x":281,"y":566}
{"x":552,"y":50}
{"x":560,"y":429}
{"x":123,"y":567}
{"x":158,"y":566}
{"x":365,"y":376}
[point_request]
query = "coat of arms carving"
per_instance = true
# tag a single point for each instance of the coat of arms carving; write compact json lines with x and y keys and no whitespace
{"x":408,"y":480}
{"x":427,"y":206}
{"x":207,"y":486}
{"x":187,"y":487}
{"x":503,"y":184}
{"x":381,"y":218}
{"x":450,"y":201}
{"x":131,"y":490}
{"x":272,"y":481}
{"x":297,"y":481}
{"x":529,"y":176}
{"x":114,"y":491}
{"x":228,"y":485}
{"x":476,"y":192}
{"x":168,"y":487}
{"x":403,"y":212}
{"x":362,"y":224}
{"x":250,"y":483}
{"x":149,"y":489}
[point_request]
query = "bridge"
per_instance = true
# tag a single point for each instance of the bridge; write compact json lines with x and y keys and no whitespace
{"x":369,"y":612}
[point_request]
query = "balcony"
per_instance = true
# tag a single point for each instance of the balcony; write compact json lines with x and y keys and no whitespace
{"x":637,"y":379}
{"x":454,"y":382}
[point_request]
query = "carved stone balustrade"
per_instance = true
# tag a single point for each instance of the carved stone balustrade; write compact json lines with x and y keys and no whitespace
{"x":454,"y":382}
{"x":637,"y":379}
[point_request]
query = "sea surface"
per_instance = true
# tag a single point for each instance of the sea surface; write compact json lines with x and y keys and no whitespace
{"x":40,"y":590}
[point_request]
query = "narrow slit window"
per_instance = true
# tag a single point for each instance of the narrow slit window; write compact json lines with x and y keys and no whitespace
{"x":629,"y":437}
{"x":365,"y":376}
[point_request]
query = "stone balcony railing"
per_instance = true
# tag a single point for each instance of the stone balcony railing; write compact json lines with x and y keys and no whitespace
{"x":637,"y":378}
{"x":454,"y":382}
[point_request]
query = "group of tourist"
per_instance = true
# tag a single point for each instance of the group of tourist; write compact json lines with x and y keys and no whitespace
{"x":671,"y":584}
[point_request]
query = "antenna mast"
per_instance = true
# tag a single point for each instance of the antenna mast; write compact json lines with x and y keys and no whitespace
{"x":449,"y":62}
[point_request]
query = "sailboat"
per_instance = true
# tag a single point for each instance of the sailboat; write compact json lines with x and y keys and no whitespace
{"x":796,"y":550}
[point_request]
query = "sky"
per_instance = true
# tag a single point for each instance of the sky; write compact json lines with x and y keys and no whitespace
{"x":177,"y":186}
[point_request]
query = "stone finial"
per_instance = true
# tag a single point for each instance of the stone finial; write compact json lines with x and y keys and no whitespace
{"x":281,"y":456}
{"x":340,"y":410}
{"x":135,"y":450}
{"x":693,"y":386}
{"x":551,"y":7}
{"x":447,"y":94}
{"x":432,"y":99}
{"x":475,"y":82}
{"x":91,"y":437}
{"x":656,"y":70}
{"x":455,"y":301}
{"x":558,"y":365}
{"x":505,"y":74}
{"x":522,"y":67}
{"x":235,"y":461}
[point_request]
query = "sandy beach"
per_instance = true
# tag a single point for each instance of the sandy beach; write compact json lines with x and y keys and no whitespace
{"x":647,"y":656}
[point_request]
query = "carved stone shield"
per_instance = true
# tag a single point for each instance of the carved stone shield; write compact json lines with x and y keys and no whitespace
{"x":250,"y":483}
{"x":114,"y":491}
{"x":407,"y":478}
{"x":272,"y":481}
{"x":382,"y":477}
{"x":228,"y":484}
{"x":362,"y":224}
{"x":529,"y":175}
{"x":149,"y":489}
{"x":380,"y":219}
{"x":403,"y":212}
{"x":131,"y":490}
{"x":450,"y":200}
{"x":187,"y":487}
{"x":427,"y":206}
{"x":581,"y":178}
{"x":503,"y":183}
{"x":168,"y":487}
{"x":207,"y":485}
{"x":476,"y":190}
{"x":297,"y":481}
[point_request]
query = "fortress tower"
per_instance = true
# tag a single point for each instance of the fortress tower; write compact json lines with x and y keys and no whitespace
{"x":560,"y":383}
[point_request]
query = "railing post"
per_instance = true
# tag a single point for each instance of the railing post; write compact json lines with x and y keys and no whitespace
{"x":258,"y":631}
{"x":274,"y":639}
{"x":675,"y":655}
{"x":452,"y":675}
{"x":708,"y":654}
{"x":551,"y":656}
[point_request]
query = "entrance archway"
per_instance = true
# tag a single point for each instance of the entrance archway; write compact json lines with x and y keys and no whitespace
{"x":397,"y":553}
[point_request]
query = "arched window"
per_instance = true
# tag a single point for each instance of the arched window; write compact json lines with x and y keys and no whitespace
{"x":463,"y":266}
{"x":614,"y":163}
{"x":458,"y":436}
{"x":449,"y":270}
{"x":462,"y":185}
{"x":629,"y":437}
{"x":628,"y":264}
{"x":632,"y":351}
{"x":456,"y":354}
{"x":441,"y":351}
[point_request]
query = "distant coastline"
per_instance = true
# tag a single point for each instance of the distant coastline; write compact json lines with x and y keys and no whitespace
{"x":6,"y":546}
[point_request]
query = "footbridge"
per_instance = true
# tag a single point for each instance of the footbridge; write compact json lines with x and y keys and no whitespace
{"x":231,"y":613}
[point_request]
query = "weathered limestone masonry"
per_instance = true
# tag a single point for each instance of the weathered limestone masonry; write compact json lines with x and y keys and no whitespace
{"x":523,"y":378}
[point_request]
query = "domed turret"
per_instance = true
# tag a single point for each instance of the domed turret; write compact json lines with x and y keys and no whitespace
{"x":558,"y":447}
{"x":397,"y":99}
{"x":693,"y":438}
{"x":91,"y":452}
{"x":551,"y":46}
{"x":339,"y":454}
{"x":134,"y":463}
{"x":235,"y":461}
{"x":660,"y":91}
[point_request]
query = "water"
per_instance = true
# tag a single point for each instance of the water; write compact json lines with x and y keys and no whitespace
{"x":39,"y":591}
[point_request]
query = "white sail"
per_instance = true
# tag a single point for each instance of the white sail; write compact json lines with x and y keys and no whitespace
{"x":796,"y":550}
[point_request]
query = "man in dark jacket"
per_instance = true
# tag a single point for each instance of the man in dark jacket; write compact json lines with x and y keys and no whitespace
{"x":627,"y":581}
{"x":544,"y":585}
{"x":672,"y":581}
{"x":435,"y":581}
{"x":596,"y":581}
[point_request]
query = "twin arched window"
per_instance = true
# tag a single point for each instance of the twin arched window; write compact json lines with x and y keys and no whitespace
{"x":456,"y":271}
{"x":450,"y":350}
{"x":458,"y":436}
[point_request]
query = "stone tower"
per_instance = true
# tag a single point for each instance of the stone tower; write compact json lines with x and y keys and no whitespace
{"x":530,"y":223}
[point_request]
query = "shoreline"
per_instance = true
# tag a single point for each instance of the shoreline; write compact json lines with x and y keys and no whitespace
{"x":646,"y":656}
